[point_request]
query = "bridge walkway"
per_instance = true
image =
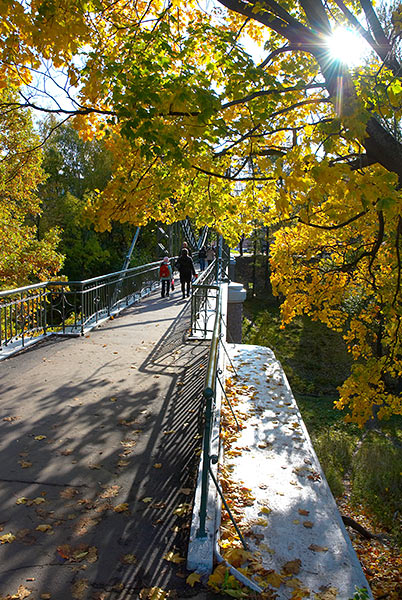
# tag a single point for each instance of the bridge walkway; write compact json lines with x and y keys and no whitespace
{"x":99,"y":442}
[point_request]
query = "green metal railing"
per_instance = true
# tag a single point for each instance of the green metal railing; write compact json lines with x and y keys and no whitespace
{"x":209,"y":394}
{"x":70,"y":307}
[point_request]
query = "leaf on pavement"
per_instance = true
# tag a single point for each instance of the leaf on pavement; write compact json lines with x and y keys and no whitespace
{"x":40,"y":437}
{"x":128,"y":559}
{"x":123,"y":507}
{"x":25,"y":464}
{"x":22,"y":593}
{"x":147,"y":499}
{"x":301,"y":511}
{"x":182,"y":509}
{"x":21,"y":500}
{"x":193,"y":579}
{"x":154,"y":593}
{"x":45,"y":527}
{"x":157,"y":465}
{"x":79,"y":589}
{"x":7,"y":538}
{"x":69,"y":493}
{"x":174,"y":557}
{"x":110,"y":491}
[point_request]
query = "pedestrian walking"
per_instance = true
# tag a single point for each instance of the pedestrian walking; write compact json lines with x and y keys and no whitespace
{"x":202,"y":256}
{"x":165,"y":276}
{"x":210,"y":254}
{"x":186,"y":269}
{"x":185,"y":247}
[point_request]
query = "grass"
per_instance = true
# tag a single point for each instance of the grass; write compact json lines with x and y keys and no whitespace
{"x":316,"y":362}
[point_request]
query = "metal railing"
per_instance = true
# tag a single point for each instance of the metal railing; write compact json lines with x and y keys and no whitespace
{"x":70,"y":307}
{"x":203,"y":301}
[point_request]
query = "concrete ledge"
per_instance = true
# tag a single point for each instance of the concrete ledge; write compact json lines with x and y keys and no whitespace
{"x":301,"y":521}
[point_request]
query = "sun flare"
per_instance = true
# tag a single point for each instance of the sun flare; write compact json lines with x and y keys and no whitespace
{"x":347,"y":46}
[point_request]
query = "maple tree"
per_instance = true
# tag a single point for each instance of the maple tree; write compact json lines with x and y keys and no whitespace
{"x":198,"y":128}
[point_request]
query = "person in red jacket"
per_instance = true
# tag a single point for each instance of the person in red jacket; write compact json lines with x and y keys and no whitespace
{"x":186,"y":269}
{"x":165,"y":276}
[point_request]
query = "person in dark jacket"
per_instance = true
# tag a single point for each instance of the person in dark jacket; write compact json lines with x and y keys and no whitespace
{"x":202,"y":255}
{"x":186,"y":269}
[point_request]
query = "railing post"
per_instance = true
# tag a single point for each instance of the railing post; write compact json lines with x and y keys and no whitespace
{"x":208,"y":394}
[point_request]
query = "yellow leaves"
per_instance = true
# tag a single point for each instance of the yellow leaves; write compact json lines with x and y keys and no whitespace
{"x":25,"y":464}
{"x":28,"y":502}
{"x":39,"y":437}
{"x":7,"y":538}
{"x":193,"y":578}
{"x":174,"y":557}
{"x":22,"y":592}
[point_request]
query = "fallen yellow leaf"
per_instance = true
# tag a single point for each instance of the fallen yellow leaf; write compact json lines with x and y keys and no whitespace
{"x":21,"y":500}
{"x":174,"y":557}
{"x":157,"y":465}
{"x":128,"y":559}
{"x":7,"y":538}
{"x":44,"y":527}
{"x":121,"y":507}
{"x":193,"y":579}
{"x":39,"y":437}
{"x":146,"y":500}
{"x":273,"y":579}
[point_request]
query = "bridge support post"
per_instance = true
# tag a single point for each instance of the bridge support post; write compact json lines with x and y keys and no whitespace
{"x":236,"y":296}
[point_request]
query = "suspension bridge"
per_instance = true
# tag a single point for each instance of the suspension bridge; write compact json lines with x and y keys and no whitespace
{"x":110,"y":444}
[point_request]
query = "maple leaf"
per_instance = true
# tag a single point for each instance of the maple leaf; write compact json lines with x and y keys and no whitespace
{"x":174,"y":557}
{"x":193,"y":578}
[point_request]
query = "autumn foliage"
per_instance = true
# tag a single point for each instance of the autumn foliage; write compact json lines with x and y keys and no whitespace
{"x":198,"y":127}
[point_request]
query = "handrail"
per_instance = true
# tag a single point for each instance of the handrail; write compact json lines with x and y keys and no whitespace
{"x":69,"y":307}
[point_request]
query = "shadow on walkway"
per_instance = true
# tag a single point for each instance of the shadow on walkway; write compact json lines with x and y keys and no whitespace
{"x":99,"y":450}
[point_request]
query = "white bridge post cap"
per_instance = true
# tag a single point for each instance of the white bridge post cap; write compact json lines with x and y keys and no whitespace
{"x":236,"y":293}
